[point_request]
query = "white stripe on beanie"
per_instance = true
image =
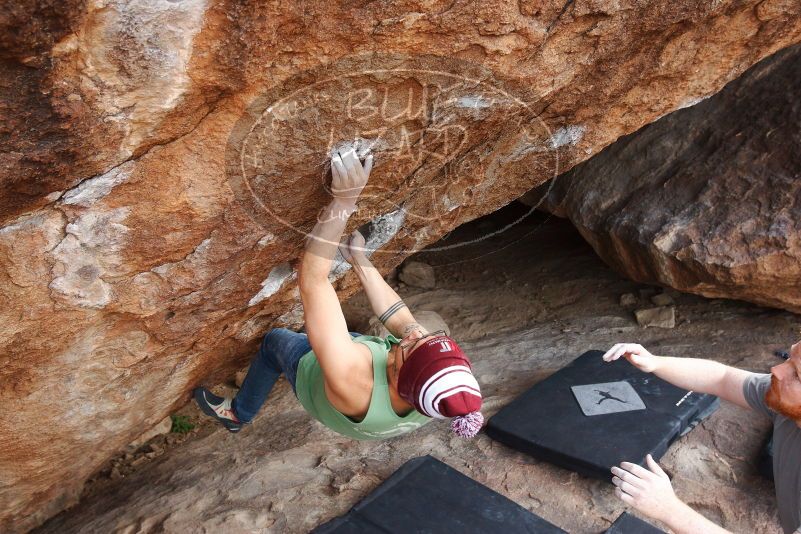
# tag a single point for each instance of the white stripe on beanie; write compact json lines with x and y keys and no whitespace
{"x":442,"y":381}
{"x":428,"y":383}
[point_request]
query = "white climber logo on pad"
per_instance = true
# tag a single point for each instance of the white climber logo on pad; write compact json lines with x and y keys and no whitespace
{"x":609,"y":397}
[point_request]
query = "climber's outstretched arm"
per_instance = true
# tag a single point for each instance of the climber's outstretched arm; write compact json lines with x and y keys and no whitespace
{"x":384,"y":301}
{"x":325,"y":323}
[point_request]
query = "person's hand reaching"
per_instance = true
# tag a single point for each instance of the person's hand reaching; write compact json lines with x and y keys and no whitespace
{"x":648,"y":490}
{"x":636,"y":354}
{"x":349,"y":176}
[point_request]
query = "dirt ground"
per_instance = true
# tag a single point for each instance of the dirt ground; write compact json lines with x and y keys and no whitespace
{"x":522,"y":304}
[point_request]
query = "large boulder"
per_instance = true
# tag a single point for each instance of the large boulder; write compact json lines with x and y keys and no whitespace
{"x":706,"y":200}
{"x":162,"y":161}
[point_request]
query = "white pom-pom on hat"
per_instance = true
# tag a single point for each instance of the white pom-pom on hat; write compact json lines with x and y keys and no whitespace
{"x":467,"y":426}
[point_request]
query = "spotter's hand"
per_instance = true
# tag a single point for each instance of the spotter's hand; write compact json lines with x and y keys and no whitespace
{"x":349,"y":176}
{"x":647,"y":490}
{"x":636,"y":354}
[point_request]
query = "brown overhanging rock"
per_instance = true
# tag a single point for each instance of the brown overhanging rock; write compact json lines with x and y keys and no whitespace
{"x":162,"y":162}
{"x":706,"y":200}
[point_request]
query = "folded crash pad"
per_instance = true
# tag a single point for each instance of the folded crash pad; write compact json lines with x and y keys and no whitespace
{"x":629,"y":524}
{"x":425,"y":495}
{"x":592,"y":415}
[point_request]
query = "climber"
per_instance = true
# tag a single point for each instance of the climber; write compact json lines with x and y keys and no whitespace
{"x":364,"y":387}
{"x":776,"y":395}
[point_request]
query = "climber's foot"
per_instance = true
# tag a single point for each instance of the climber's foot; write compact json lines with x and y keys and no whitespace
{"x":218,"y":408}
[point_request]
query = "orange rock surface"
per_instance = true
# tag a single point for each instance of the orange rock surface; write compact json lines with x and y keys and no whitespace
{"x":162,"y":160}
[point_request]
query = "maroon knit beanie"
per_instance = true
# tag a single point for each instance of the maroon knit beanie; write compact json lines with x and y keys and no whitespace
{"x":437,"y":379}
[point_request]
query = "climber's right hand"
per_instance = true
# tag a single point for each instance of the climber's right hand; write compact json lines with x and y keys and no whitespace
{"x":636,"y":354}
{"x":353,"y":249}
{"x":349,"y":175}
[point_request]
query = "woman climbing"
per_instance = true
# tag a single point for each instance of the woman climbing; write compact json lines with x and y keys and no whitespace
{"x":364,"y":387}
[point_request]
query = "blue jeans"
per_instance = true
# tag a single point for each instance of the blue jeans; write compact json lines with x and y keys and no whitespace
{"x":280,"y":352}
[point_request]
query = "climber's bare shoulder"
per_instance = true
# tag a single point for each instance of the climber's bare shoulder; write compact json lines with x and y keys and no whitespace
{"x":347,"y":366}
{"x":350,"y":389}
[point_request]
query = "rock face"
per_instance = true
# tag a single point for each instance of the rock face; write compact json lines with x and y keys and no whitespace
{"x":707,"y":199}
{"x":162,"y":161}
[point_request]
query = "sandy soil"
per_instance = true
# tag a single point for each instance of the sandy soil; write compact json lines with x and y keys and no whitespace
{"x":522,"y":304}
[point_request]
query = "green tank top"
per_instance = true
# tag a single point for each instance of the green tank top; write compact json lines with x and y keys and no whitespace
{"x":381,"y":421}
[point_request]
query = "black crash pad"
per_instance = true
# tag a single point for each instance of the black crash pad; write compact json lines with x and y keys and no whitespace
{"x":548,"y":423}
{"x":427,"y":496}
{"x":629,"y":524}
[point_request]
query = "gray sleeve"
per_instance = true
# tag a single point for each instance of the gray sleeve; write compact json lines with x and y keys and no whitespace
{"x":755,"y":388}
